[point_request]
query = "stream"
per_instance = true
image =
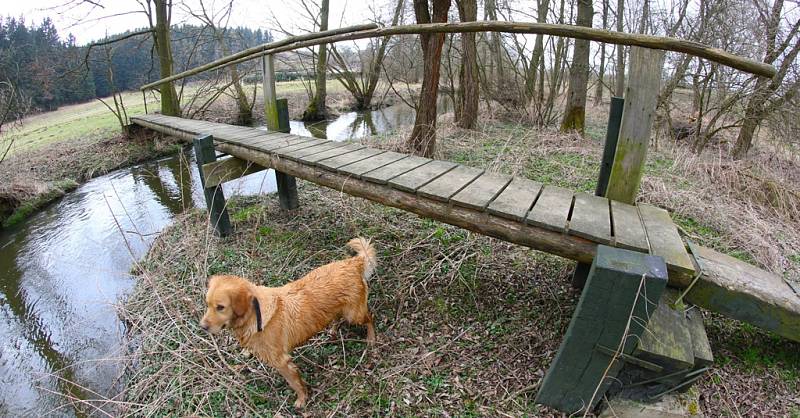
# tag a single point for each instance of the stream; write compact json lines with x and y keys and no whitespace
{"x":63,"y":270}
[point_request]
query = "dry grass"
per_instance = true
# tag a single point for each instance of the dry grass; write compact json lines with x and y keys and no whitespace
{"x":467,"y":324}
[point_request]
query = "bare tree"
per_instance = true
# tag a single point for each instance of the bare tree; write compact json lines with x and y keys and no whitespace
{"x":468,"y":76}
{"x":575,"y":112}
{"x":13,"y":107}
{"x":170,"y":103}
{"x":765,"y":98}
{"x":601,"y":72}
{"x":217,"y":22}
{"x":423,"y":136}
{"x":316,"y":109}
{"x":363,"y":88}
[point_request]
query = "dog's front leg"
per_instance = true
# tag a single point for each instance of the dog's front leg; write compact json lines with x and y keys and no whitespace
{"x":289,"y":371}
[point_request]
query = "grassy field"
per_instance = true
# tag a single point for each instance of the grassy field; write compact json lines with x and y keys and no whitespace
{"x":54,"y":152}
{"x":467,"y":325}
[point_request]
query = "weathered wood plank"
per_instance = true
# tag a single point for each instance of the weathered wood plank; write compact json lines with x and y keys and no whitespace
{"x":315,"y":158}
{"x":668,"y":340}
{"x":342,"y":160}
{"x":641,"y":95}
{"x":551,"y":209}
{"x":628,"y":229}
{"x":261,"y":142}
{"x":664,"y":238}
{"x":383,"y":174}
{"x":480,"y":192}
{"x":284,"y":143}
{"x":418,"y":177}
{"x":372,"y":163}
{"x":591,"y":218}
{"x":745,"y":292}
{"x":219,"y":172}
{"x":300,"y":143}
{"x":516,"y":199}
{"x":297,"y":154}
{"x":449,"y":183}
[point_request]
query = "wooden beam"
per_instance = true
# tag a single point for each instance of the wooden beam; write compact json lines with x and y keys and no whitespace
{"x":641,"y":95}
{"x":372,"y":31}
{"x":250,"y":53}
{"x":215,"y":200}
{"x":270,"y":98}
{"x":219,"y":172}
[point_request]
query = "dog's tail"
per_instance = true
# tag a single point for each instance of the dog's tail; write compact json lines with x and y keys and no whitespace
{"x":364,"y":248}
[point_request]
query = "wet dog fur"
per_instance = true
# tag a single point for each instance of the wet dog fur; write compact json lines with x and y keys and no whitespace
{"x":293,"y":313}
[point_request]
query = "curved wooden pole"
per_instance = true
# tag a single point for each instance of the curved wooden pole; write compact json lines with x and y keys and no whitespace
{"x":578,"y":32}
{"x":253,"y":52}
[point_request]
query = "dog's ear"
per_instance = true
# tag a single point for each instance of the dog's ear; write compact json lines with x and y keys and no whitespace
{"x":241,"y":300}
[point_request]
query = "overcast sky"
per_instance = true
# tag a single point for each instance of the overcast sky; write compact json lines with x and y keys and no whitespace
{"x":89,"y":24}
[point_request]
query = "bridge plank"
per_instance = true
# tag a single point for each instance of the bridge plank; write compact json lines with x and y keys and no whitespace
{"x":297,"y":154}
{"x":591,"y":218}
{"x":261,"y":142}
{"x":551,"y":209}
{"x":420,"y":176}
{"x":315,"y":158}
{"x":480,"y":192}
{"x":383,"y":174}
{"x":664,"y":238}
{"x":333,"y":163}
{"x":516,"y":199}
{"x":300,"y":143}
{"x":372,"y":163}
{"x":628,"y":229}
{"x":449,"y":183}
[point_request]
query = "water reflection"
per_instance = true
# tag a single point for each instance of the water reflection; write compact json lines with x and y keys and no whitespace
{"x":62,"y":271}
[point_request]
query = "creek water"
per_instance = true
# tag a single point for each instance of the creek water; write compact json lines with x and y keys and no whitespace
{"x":63,"y":270}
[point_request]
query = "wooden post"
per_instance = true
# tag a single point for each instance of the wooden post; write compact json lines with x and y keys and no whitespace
{"x":620,"y":294}
{"x":612,"y":133}
{"x":215,"y":199}
{"x":277,"y":116}
{"x":641,"y":95}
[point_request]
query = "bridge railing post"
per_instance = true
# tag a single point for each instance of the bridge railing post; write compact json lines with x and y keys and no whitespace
{"x":641,"y":98}
{"x":276,"y":114}
{"x":215,"y":199}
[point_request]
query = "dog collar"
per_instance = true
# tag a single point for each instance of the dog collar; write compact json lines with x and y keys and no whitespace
{"x":257,"y":308}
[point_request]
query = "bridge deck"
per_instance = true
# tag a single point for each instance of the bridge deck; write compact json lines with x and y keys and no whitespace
{"x":514,"y":209}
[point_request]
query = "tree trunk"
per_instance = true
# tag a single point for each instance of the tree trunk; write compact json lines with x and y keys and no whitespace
{"x":245,"y":111}
{"x":619,"y":85}
{"x":468,"y":76}
{"x":170,"y":105}
{"x":495,"y":45}
{"x":575,"y":112}
{"x":598,"y":92}
{"x":423,"y":137}
{"x":538,"y":50}
{"x":377,"y":63}
{"x":316,"y":109}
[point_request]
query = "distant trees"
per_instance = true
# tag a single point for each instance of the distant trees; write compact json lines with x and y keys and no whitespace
{"x":468,"y":97}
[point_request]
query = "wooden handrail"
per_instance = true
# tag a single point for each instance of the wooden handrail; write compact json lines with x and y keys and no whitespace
{"x":253,"y":52}
{"x":578,"y":32}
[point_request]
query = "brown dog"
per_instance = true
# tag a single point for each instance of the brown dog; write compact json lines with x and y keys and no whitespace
{"x":271,"y":321}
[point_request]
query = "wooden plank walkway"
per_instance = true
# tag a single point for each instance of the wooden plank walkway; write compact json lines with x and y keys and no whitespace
{"x":514,"y":209}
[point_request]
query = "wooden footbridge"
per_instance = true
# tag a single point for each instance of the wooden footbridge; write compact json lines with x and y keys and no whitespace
{"x":623,"y":241}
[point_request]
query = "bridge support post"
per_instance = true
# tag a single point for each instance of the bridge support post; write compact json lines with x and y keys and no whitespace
{"x":277,"y":117}
{"x":612,"y":133}
{"x":215,"y":199}
{"x":621,"y":293}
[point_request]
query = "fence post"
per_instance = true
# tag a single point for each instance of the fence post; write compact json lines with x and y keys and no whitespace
{"x":215,"y":199}
{"x":641,"y":96}
{"x":277,"y":117}
{"x":612,"y":134}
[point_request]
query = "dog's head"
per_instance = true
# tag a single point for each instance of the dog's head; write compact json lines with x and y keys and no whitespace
{"x":229,"y":298}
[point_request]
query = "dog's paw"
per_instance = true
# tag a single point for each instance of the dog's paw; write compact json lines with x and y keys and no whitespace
{"x":246,"y":353}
